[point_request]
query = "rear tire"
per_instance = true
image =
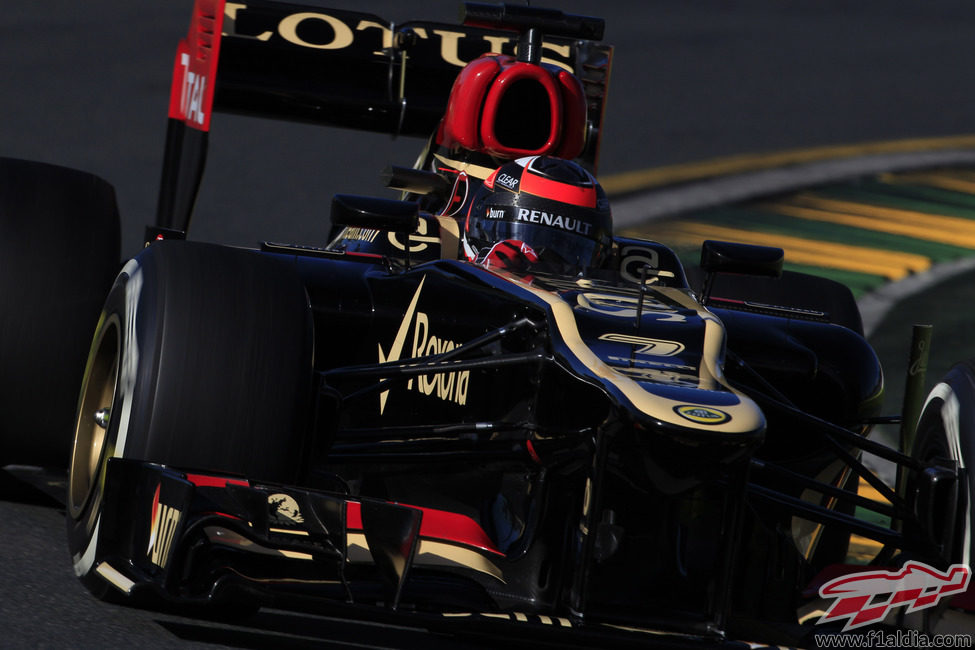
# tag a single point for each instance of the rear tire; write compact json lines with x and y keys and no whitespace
{"x":202,"y":360}
{"x":59,"y":246}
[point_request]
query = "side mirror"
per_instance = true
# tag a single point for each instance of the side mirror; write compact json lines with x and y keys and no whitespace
{"x":374,"y":213}
{"x":745,"y":259}
{"x":417,"y":181}
{"x":728,"y":257}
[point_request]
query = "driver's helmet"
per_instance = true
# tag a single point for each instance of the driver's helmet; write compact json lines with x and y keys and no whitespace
{"x":550,"y":207}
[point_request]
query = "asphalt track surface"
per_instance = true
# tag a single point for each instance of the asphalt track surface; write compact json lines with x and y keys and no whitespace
{"x":85,"y":84}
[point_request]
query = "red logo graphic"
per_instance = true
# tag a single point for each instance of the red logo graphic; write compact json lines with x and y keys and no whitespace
{"x":867,"y":597}
{"x":162,"y":530}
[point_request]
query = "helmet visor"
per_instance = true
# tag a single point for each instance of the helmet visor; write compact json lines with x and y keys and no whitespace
{"x":558,"y":249}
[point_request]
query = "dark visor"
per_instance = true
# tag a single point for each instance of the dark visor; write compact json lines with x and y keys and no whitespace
{"x":558,"y":246}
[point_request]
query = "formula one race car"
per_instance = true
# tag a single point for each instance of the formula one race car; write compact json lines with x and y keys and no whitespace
{"x":475,"y":408}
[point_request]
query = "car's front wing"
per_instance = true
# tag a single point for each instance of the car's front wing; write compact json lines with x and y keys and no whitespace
{"x":197,"y":538}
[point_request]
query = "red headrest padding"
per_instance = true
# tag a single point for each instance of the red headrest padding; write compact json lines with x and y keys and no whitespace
{"x":460,"y":122}
{"x":574,"y":116}
{"x":510,"y":109}
{"x":522,"y":113}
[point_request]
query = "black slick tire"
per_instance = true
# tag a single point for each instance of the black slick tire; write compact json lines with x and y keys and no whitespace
{"x":202,"y":360}
{"x":946,"y":431}
{"x":59,"y":251}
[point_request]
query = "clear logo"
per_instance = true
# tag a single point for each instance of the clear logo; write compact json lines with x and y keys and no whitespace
{"x":508,"y":181}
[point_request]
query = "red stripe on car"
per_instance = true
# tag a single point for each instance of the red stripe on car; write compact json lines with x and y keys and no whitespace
{"x":202,"y":480}
{"x":435,"y":524}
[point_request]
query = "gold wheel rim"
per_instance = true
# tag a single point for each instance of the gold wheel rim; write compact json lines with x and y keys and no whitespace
{"x":93,"y":418}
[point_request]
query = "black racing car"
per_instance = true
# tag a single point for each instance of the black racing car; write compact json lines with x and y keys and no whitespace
{"x":568,"y":435}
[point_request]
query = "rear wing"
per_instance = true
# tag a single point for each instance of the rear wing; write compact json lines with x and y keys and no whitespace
{"x":341,"y":68}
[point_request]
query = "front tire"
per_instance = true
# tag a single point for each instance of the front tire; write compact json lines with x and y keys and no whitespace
{"x":202,"y":360}
{"x":946,"y":430}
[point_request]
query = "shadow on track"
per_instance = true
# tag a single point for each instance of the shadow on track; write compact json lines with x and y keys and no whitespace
{"x":15,"y":489}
